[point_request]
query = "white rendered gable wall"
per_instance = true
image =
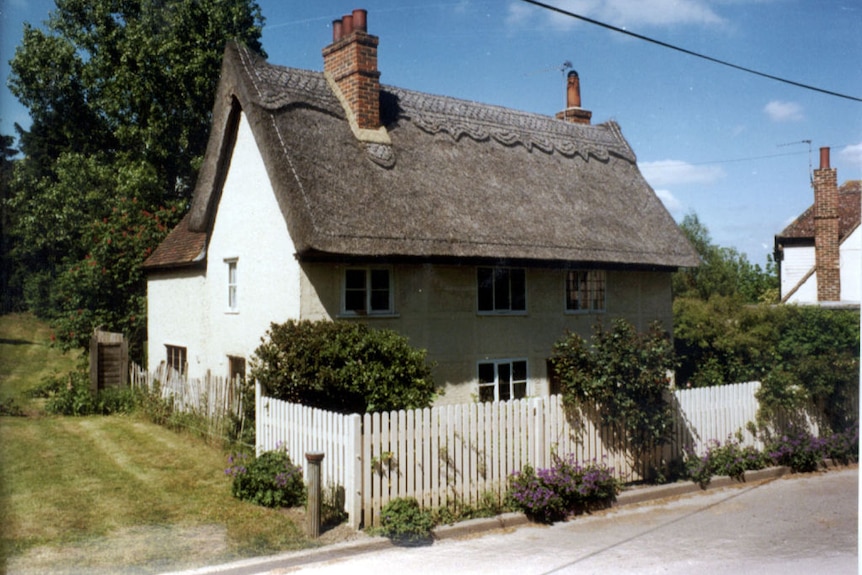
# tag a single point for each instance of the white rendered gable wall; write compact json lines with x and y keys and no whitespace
{"x":798,"y":261}
{"x":249,"y":229}
{"x":851,"y":267}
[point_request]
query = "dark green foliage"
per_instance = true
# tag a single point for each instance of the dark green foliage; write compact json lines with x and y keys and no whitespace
{"x":120,"y":95}
{"x":404,"y":521}
{"x":271,"y":479}
{"x":730,"y":459}
{"x":342,"y":366}
{"x":624,"y":374}
{"x":723,"y":271}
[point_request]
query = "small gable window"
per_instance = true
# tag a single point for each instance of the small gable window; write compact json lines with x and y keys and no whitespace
{"x":585,"y":291}
{"x":232,"y":285}
{"x":502,"y":380}
{"x":502,"y":290}
{"x":367,"y":291}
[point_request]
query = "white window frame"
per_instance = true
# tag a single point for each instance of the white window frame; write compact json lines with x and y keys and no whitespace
{"x":496,"y":271}
{"x":495,"y":385}
{"x":368,"y":291}
{"x":232,"y":284}
{"x":592,"y":286}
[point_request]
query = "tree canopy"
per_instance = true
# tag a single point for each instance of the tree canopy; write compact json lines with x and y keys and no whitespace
{"x":120,"y":94}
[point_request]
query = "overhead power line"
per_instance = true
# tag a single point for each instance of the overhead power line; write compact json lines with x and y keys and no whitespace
{"x":690,"y":52}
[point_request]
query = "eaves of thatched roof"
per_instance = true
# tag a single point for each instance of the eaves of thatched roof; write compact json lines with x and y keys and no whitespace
{"x":458,"y":179}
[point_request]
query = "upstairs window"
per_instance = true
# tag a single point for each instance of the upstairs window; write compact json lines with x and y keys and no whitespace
{"x":502,"y":290}
{"x":367,"y":291}
{"x":502,"y":380}
{"x":177,"y":358}
{"x":232,"y":286}
{"x":585,"y":291}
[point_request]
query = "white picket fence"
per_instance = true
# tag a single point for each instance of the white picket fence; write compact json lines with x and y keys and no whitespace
{"x":456,"y":454}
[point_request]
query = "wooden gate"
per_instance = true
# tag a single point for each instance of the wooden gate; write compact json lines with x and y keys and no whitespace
{"x":109,"y":360}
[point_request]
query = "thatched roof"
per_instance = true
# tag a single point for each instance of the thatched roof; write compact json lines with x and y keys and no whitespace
{"x":801,"y":230}
{"x":459,"y":180}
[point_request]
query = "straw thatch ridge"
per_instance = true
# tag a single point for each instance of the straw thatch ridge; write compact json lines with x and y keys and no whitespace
{"x":459,"y":180}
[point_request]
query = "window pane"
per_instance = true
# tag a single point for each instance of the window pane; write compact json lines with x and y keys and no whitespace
{"x":354,"y":279}
{"x":380,"y":290}
{"x":519,"y":390}
{"x":486,"y":373}
{"x":504,"y":378}
{"x":485,"y":278}
{"x":354,"y":291}
{"x":502,"y":300}
{"x":519,"y":371}
{"x":486,"y":393}
{"x":519,"y":290}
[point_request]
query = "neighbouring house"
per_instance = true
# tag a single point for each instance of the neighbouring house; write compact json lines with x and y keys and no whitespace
{"x":481,"y":233}
{"x":819,"y":254}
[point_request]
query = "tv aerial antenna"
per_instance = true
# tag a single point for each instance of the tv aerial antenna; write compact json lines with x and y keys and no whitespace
{"x":810,"y":169}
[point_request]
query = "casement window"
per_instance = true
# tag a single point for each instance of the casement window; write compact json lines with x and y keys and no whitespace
{"x":177,"y":358}
{"x":502,"y":290}
{"x":232,"y":285}
{"x":236,"y":367}
{"x":585,"y":291}
{"x":501,"y":380}
{"x":367,"y":291}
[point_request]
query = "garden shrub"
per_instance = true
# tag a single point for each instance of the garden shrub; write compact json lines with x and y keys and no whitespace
{"x":567,"y":487}
{"x":624,"y":374}
{"x":342,"y":366}
{"x":730,"y":458}
{"x":71,"y":395}
{"x":404,"y":521}
{"x":271,"y":479}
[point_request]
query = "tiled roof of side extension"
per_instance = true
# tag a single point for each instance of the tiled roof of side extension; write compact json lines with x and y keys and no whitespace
{"x":182,"y":247}
{"x":849,"y":213}
{"x":458,"y":179}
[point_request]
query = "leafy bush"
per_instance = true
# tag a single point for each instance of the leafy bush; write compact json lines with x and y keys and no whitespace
{"x":731,"y":459}
{"x":271,"y":479}
{"x":73,"y":396}
{"x":548,"y":495}
{"x":403,"y":520}
{"x":342,"y":366}
{"x":625,"y":374}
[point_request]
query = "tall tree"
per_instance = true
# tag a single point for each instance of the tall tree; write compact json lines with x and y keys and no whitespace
{"x":120,"y":94}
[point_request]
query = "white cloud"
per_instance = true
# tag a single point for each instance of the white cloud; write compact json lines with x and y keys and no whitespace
{"x":622,"y":13}
{"x":779,"y":111}
{"x":852,"y":154}
{"x":673,"y":205}
{"x":674,"y":172}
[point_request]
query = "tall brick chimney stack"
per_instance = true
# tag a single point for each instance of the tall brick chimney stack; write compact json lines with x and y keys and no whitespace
{"x":826,"y":231}
{"x":573,"y":112}
{"x":351,"y":63}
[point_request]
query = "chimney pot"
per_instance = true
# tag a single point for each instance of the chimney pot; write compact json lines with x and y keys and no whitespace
{"x":347,"y":24}
{"x":337,"y":32}
{"x":573,"y":90}
{"x":360,"y":19}
{"x":824,"y":158}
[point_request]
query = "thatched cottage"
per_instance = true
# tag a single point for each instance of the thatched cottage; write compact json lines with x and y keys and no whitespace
{"x":818,"y":254}
{"x":481,"y":233}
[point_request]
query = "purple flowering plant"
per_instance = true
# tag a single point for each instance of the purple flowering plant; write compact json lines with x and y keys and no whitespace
{"x":730,"y":458}
{"x":548,"y":495}
{"x":271,"y":479}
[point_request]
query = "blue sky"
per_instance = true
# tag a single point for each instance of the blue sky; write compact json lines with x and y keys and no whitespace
{"x":726,"y":145}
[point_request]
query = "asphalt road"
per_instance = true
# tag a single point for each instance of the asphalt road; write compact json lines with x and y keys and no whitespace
{"x":801,"y":524}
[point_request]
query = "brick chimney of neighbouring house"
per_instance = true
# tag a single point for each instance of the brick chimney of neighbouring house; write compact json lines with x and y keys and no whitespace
{"x":826,"y":231}
{"x":573,"y":112}
{"x":351,"y":63}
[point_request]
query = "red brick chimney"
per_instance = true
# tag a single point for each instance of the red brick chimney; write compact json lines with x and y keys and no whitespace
{"x":826,"y":231}
{"x":351,"y":63}
{"x":573,"y":112}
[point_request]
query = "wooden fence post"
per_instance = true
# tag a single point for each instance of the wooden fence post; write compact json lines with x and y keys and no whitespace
{"x":312,"y":511}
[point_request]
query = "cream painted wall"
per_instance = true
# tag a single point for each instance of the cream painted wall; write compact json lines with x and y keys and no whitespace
{"x":176,"y":315}
{"x":436,"y":309}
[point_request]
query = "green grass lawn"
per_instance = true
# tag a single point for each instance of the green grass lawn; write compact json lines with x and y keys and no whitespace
{"x":95,"y":493}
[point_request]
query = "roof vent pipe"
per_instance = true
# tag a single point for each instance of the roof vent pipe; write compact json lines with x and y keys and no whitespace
{"x":824,"y":158}
{"x":360,"y":19}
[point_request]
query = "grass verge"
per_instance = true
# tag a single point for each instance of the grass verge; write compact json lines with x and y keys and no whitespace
{"x":110,"y":494}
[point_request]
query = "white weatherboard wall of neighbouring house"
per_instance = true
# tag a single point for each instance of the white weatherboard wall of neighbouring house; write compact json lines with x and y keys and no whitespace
{"x":851,"y":267}
{"x":798,"y":261}
{"x":249,"y":229}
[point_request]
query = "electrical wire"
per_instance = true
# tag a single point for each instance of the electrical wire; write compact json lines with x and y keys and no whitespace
{"x":690,"y":52}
